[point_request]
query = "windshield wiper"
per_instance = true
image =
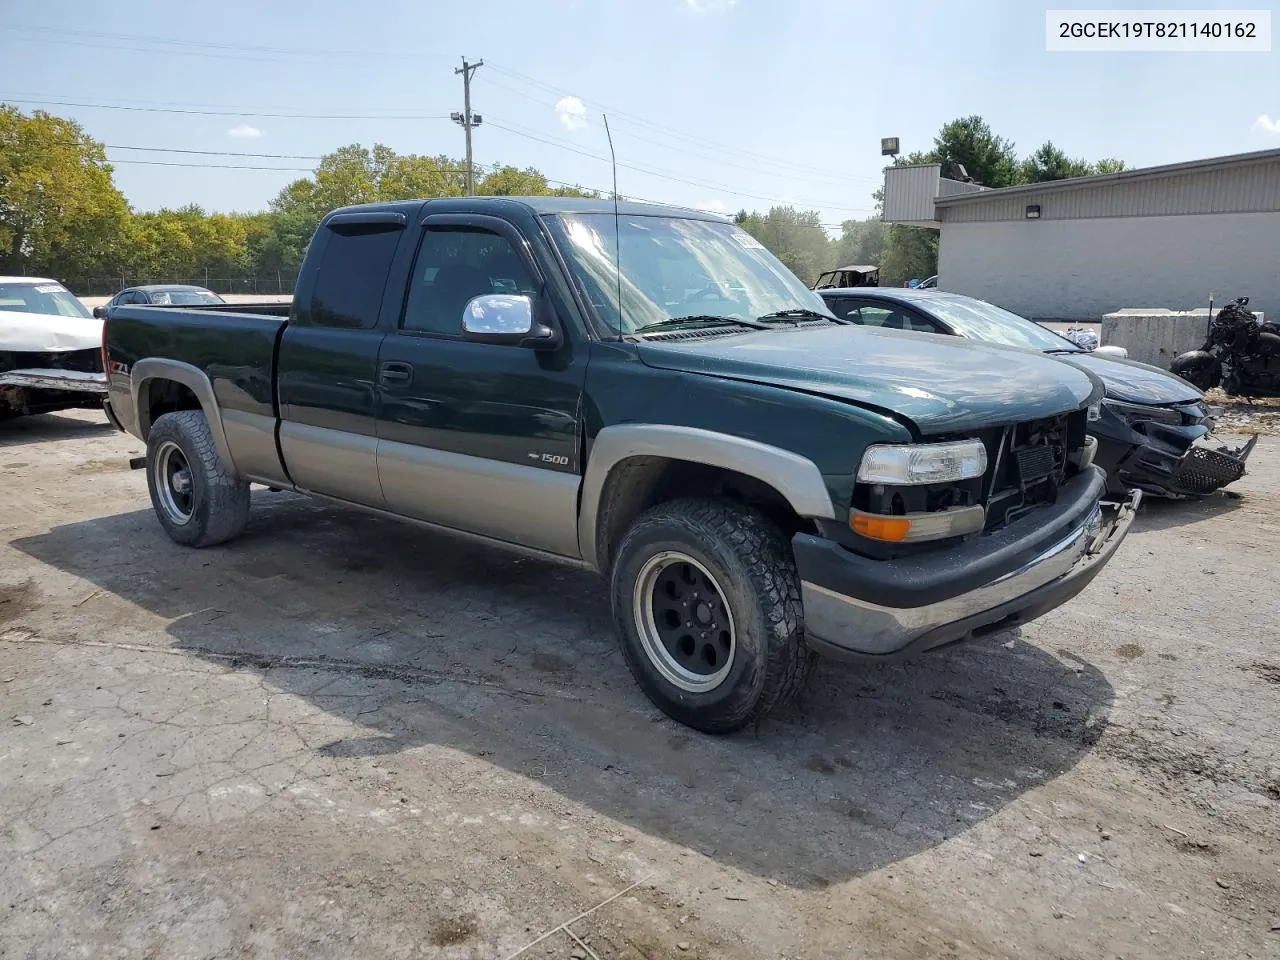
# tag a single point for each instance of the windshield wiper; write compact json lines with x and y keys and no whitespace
{"x":704,"y":319}
{"x":800,"y":313}
{"x":1066,"y":350}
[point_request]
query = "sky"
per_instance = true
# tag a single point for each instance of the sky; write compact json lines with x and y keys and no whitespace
{"x":717,"y":104}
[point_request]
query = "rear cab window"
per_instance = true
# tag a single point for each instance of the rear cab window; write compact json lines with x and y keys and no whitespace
{"x":351,"y":274}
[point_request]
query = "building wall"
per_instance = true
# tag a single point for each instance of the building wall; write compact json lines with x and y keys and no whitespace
{"x":1240,"y":188}
{"x":1081,"y":269}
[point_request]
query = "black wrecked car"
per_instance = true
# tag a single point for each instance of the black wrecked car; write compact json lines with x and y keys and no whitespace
{"x":1155,"y":430}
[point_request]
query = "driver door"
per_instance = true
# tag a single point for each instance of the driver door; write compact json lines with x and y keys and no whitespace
{"x":481,"y":437}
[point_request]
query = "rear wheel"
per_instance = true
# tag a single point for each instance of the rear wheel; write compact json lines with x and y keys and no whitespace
{"x":707,"y":604}
{"x":197,"y":500}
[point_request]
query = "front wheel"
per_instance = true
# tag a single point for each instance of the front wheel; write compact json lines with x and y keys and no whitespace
{"x":1199,"y":368}
{"x":197,"y":500}
{"x":706,"y":600}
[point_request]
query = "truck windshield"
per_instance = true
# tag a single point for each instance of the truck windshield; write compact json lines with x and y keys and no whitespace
{"x":676,"y":267}
{"x":50,"y":298}
{"x":980,"y":320}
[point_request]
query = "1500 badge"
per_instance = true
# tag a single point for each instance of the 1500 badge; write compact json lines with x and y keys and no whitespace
{"x":554,"y":458}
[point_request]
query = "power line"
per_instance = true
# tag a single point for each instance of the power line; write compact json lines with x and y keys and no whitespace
{"x":801,"y":172}
{"x":226,"y":112}
{"x":215,"y":153}
{"x":660,"y":174}
{"x":214,"y":51}
{"x":212,"y":166}
{"x":670,"y":131}
{"x":330,"y":56}
{"x":515,"y":129}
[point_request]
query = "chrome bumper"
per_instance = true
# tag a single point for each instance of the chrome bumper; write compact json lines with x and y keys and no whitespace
{"x":844,"y":626}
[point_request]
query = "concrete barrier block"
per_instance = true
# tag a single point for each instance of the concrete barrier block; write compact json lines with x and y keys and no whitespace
{"x":1156,"y":335}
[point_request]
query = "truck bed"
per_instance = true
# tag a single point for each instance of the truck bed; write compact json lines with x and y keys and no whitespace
{"x":234,"y":349}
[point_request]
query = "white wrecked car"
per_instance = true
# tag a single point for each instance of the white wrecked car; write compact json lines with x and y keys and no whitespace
{"x":50,"y":349}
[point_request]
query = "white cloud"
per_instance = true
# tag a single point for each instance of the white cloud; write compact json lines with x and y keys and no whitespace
{"x":244,"y":132}
{"x":1265,"y":123}
{"x":711,"y":6}
{"x":572,"y":113}
{"x":712,"y":206}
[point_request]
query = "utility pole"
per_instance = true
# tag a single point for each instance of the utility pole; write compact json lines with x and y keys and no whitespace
{"x":467,"y":119}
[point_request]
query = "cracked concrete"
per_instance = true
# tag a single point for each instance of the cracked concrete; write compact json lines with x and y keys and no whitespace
{"x":341,"y":737}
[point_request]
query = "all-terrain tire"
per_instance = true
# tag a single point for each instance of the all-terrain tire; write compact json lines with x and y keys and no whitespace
{"x":215,"y":506}
{"x":753,"y":572}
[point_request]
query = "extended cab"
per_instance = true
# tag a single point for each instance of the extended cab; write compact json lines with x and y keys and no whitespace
{"x":757,"y":479}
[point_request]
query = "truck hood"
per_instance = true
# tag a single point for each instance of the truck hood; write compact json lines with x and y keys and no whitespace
{"x":1132,"y":381}
{"x":940,"y":384}
{"x":47,"y":333}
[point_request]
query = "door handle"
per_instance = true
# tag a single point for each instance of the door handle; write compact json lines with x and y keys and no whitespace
{"x":395,"y":372}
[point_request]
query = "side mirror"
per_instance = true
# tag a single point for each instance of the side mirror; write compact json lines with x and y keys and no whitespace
{"x":507,"y":318}
{"x":100,"y":312}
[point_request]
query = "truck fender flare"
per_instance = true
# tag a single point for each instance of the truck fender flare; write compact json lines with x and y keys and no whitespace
{"x":795,"y":477}
{"x":197,"y":382}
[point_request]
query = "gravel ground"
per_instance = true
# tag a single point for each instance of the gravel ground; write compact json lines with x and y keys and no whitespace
{"x":1261,"y":416}
{"x":340,"y":737}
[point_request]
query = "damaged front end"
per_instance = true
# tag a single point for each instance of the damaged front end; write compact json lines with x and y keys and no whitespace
{"x":1167,"y":450}
{"x":34,"y":382}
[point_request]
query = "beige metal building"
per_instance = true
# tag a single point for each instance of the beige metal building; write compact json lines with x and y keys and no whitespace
{"x":1073,"y":250}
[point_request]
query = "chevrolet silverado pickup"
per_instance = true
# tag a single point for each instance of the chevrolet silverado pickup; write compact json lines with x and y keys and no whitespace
{"x":645,"y":392}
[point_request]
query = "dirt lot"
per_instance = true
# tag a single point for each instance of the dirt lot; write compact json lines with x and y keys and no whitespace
{"x":342,"y":738}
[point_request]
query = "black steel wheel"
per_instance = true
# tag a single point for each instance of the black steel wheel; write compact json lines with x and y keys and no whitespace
{"x":683,"y":621}
{"x":197,"y":500}
{"x":706,"y":600}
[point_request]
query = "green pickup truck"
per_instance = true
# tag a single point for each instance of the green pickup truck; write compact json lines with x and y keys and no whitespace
{"x":648,"y":393}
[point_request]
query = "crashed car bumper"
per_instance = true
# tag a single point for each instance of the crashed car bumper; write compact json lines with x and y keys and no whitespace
{"x":1193,"y":470}
{"x":850,"y":612}
{"x":75,"y":381}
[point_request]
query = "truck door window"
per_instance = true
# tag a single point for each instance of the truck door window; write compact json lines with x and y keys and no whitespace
{"x":352,"y":273}
{"x":455,"y":264}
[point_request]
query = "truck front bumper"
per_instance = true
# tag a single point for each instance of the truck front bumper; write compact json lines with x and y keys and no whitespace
{"x":859,"y":608}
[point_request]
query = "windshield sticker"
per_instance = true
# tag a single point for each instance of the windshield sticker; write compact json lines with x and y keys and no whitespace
{"x":747,"y":240}
{"x":49,"y":288}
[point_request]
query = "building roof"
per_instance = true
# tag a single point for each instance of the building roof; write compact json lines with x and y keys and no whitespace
{"x":1143,"y":173}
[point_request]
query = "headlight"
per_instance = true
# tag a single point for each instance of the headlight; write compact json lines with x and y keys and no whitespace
{"x":911,"y":464}
{"x":1140,"y":411}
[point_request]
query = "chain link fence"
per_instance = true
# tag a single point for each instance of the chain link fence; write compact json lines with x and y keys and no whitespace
{"x":279,"y":283}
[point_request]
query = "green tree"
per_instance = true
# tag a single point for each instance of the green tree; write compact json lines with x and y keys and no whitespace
{"x":60,"y":212}
{"x":861,"y":241}
{"x":1050,"y":163}
{"x":910,"y":253}
{"x":793,"y":236}
{"x":990,"y":160}
{"x":1109,"y":165}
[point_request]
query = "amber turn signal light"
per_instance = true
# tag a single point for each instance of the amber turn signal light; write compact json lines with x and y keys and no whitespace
{"x":892,"y":529}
